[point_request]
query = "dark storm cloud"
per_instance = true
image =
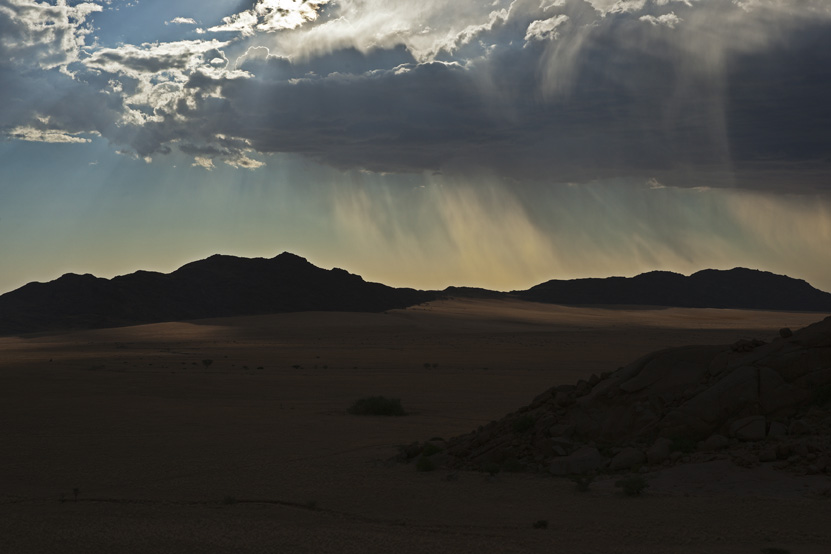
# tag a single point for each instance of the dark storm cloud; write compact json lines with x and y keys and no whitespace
{"x":715,"y":93}
{"x":628,"y":101}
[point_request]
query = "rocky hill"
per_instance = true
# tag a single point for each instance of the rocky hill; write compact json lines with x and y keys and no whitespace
{"x":753,"y":402}
{"x":735,"y":288}
{"x":222,"y":286}
{"x":216,"y":287}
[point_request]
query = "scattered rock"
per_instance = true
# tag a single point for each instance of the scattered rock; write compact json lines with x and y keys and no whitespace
{"x":714,"y":442}
{"x":751,"y":428}
{"x":745,"y":345}
{"x":561,"y":430}
{"x":799,"y":427}
{"x":768,"y":454}
{"x":584,"y":460}
{"x":627,"y":458}
{"x":659,"y":451}
{"x":778,"y":430}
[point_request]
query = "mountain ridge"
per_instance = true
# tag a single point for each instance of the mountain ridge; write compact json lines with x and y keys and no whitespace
{"x":223,"y":286}
{"x":739,"y":288}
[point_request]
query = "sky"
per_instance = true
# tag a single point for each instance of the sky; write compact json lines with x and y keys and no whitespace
{"x":418,"y":143}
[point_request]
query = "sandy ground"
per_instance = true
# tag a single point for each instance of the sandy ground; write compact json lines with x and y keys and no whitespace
{"x":256,"y":452}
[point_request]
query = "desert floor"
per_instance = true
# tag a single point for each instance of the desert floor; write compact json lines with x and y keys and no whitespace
{"x":257,"y":453}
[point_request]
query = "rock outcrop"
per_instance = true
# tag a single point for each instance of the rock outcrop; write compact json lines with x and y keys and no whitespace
{"x":753,"y":402}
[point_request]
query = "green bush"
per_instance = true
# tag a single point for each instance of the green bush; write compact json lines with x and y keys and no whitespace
{"x":632,"y":486}
{"x":378,"y":405}
{"x":540,"y":524}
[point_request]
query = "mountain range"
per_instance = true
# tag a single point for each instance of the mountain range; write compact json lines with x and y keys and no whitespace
{"x":735,"y":288}
{"x":222,"y":286}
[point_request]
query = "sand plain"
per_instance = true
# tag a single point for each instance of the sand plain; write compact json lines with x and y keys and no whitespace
{"x":256,"y":452}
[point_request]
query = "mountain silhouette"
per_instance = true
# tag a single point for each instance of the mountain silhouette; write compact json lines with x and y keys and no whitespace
{"x":218,"y":286}
{"x":735,"y":288}
{"x":222,"y":286}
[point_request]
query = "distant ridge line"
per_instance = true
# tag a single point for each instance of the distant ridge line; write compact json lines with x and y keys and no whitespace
{"x":224,"y":286}
{"x":738,"y":288}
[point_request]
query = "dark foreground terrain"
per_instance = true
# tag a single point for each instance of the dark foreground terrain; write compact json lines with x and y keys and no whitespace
{"x":129,"y":440}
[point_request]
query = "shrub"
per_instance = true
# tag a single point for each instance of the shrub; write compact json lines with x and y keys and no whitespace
{"x":540,"y":524}
{"x":632,"y":486}
{"x":775,"y":550}
{"x":207,"y":363}
{"x":377,"y":405}
{"x":523,"y":424}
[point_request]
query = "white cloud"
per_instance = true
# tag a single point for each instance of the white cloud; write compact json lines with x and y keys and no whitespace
{"x":545,"y":29}
{"x":204,"y":162}
{"x":33,"y":134}
{"x":43,"y":34}
{"x":244,"y":162}
{"x":182,"y":21}
{"x":668,"y":19}
{"x":152,"y":78}
{"x":271,"y":15}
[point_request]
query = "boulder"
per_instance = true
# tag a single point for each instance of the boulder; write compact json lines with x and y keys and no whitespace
{"x":708,"y":410}
{"x":799,"y":427}
{"x":714,"y":442}
{"x":659,"y":451}
{"x":584,"y":460}
{"x":777,"y":430}
{"x":627,"y":459}
{"x":768,"y":454}
{"x":753,"y":428}
{"x":775,"y":394}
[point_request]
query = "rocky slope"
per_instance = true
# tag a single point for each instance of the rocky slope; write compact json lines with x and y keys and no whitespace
{"x":753,"y":402}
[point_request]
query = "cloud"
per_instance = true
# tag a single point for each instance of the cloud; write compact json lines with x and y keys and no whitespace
{"x":33,"y":134}
{"x":719,"y":93}
{"x":545,"y":29}
{"x":668,"y":19}
{"x":42,"y":34}
{"x":270,"y":16}
{"x":182,"y":21}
